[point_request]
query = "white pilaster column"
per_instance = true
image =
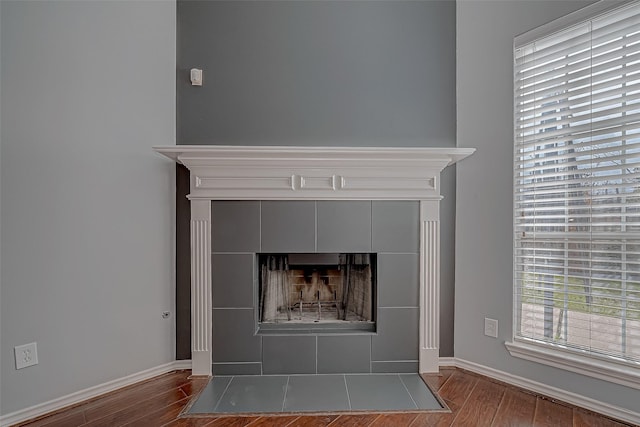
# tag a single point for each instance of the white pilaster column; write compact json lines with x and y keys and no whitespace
{"x":429,"y":286}
{"x":201,"y":308}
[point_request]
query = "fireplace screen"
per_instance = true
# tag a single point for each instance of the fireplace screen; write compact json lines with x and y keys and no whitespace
{"x":317,"y":288}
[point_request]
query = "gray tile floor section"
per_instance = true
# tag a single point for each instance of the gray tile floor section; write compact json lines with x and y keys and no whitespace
{"x":314,"y":393}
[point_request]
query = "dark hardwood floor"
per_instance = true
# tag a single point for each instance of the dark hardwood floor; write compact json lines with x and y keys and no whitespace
{"x":474,"y":400}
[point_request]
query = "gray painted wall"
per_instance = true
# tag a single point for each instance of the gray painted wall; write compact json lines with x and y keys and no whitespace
{"x":317,"y":73}
{"x":484,"y":237}
{"x":321,"y":73}
{"x":87,"y":89}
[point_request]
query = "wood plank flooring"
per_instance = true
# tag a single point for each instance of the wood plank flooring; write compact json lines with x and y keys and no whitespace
{"x":474,"y":400}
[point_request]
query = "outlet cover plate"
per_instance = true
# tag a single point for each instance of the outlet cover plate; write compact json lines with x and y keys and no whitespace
{"x":491,"y":327}
{"x":26,"y":355}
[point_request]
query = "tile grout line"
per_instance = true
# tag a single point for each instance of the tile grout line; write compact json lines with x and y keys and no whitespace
{"x":408,"y":392}
{"x":260,"y":226}
{"x":371,"y":349}
{"x":256,"y":286}
{"x":371,"y":226}
{"x":223,"y":393}
{"x":286,"y":389}
{"x":231,"y":253}
{"x":347,"y":389}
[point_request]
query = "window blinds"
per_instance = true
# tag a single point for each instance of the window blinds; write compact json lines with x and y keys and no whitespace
{"x":577,"y":187}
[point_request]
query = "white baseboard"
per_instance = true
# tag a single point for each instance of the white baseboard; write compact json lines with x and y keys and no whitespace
{"x":88,"y":393}
{"x":179,"y":365}
{"x":447,"y":362}
{"x":545,"y":390}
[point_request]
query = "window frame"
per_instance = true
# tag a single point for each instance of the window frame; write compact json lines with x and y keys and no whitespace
{"x":603,"y":367}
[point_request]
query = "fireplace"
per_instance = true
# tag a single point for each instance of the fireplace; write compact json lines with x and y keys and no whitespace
{"x":317,"y":291}
{"x":324,"y":178}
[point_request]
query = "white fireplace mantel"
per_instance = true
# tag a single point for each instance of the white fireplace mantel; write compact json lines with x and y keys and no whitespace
{"x":313,"y":173}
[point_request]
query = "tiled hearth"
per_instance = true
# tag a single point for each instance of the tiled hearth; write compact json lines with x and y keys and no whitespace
{"x":313,"y":191}
{"x":315,"y":393}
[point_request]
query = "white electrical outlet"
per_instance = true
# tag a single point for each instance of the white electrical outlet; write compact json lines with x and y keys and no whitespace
{"x":491,"y":327}
{"x":26,"y":355}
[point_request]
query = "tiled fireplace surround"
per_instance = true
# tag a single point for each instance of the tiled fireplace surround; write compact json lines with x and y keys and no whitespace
{"x":240,"y":229}
{"x":246,"y":200}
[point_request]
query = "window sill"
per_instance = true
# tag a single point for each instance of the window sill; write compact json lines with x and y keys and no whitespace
{"x":624,"y":373}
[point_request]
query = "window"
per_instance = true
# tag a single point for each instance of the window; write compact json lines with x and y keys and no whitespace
{"x":577,"y":195}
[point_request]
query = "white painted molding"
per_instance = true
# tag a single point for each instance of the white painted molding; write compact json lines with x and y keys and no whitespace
{"x":575,"y":399}
{"x":221,"y":172}
{"x":181,"y":365}
{"x":620,"y":373}
{"x":201,"y":303}
{"x":429,"y":286}
{"x":89,"y":393}
{"x":447,"y":362}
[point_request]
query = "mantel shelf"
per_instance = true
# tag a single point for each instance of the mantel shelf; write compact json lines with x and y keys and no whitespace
{"x":182,"y":153}
{"x":220,"y":172}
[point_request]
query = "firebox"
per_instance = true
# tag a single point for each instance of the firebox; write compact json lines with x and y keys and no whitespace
{"x":316,"y":291}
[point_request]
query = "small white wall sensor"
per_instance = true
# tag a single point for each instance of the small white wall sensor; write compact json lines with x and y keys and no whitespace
{"x":196,"y":77}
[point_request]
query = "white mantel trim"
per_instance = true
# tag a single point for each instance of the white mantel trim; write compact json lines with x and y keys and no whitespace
{"x":220,"y":172}
{"x":179,"y":153}
{"x":314,"y":173}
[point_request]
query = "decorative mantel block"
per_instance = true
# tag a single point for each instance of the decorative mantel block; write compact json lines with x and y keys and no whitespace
{"x":314,"y":174}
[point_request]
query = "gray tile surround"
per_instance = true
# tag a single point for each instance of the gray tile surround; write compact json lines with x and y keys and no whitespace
{"x":344,"y":226}
{"x":290,"y":226}
{"x":232,"y":280}
{"x":235,"y":226}
{"x":395,"y":226}
{"x":339,"y":354}
{"x":234,"y":338}
{"x":239,"y":368}
{"x":394,"y":367}
{"x":397,"y":338}
{"x":397,"y":278}
{"x":292,"y":354}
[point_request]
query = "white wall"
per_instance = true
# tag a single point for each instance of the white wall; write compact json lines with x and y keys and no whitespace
{"x":484,"y":241}
{"x":87,"y":206}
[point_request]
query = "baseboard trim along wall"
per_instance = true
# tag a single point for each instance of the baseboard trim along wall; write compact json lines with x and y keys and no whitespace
{"x":527,"y":384}
{"x":91,"y":392}
{"x":616,"y":412}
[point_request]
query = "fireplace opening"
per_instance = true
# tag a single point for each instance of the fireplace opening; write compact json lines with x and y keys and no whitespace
{"x":332,"y":291}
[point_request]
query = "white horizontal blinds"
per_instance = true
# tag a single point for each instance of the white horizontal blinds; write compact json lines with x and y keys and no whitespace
{"x":577,"y":186}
